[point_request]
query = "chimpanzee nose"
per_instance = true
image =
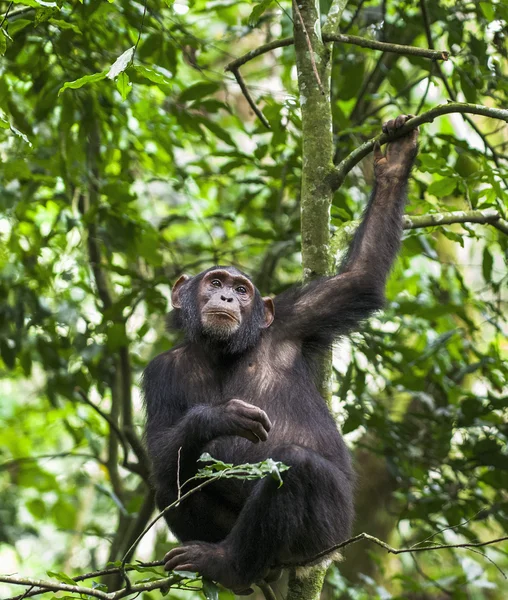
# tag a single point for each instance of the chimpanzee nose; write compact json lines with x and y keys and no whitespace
{"x":226,"y":299}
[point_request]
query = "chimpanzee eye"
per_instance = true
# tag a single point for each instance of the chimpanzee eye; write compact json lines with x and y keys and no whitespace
{"x":216,"y":283}
{"x":241,"y":289}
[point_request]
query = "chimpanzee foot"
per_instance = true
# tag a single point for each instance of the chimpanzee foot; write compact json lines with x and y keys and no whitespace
{"x":211,"y":561}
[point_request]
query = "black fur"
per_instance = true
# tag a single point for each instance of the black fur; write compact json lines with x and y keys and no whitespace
{"x":239,"y":530}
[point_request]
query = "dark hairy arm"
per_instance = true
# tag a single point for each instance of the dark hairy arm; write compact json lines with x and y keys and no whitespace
{"x":329,"y":307}
{"x":177,"y":430}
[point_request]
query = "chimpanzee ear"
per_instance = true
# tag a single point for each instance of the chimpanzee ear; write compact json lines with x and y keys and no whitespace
{"x":269,"y":312}
{"x":175,"y":292}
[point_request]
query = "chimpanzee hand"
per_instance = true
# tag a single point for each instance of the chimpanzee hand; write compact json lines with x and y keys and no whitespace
{"x":400,"y":153}
{"x":246,"y":420}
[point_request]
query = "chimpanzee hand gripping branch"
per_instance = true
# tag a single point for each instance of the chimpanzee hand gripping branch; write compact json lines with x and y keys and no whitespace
{"x":241,"y":387}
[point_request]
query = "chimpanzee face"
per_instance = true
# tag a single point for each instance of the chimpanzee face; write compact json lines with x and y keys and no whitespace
{"x":225,"y":301}
{"x":221,"y":305}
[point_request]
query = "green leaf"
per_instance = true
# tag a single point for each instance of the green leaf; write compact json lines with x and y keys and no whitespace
{"x":121,"y":63}
{"x":37,"y":508}
{"x":152,"y":75}
{"x":64,"y":25}
{"x":258,"y":11}
{"x":487,"y":264}
{"x":123,"y":85}
{"x":21,"y":135}
{"x":210,"y":590}
{"x":78,"y":83}
{"x":442,"y":187}
{"x":218,"y":131}
{"x":199,"y":90}
{"x":3,"y":42}
{"x":37,"y":3}
{"x":488,"y":10}
{"x":62,"y":577}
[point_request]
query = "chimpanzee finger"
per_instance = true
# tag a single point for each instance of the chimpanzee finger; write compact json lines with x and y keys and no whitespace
{"x":378,"y":155}
{"x":178,"y":562}
{"x":264,"y":420}
{"x":257,"y":414}
{"x":259,"y":431}
{"x":249,"y":435}
{"x":174,"y":552}
{"x":184,"y":567}
{"x":399,"y":121}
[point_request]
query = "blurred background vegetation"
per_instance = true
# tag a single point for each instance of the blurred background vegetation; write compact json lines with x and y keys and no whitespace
{"x":112,"y":186}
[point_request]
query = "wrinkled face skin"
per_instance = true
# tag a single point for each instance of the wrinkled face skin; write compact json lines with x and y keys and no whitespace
{"x":222,"y":306}
{"x":225,"y":300}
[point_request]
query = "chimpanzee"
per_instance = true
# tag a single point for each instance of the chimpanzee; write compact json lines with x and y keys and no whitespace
{"x":241,"y":387}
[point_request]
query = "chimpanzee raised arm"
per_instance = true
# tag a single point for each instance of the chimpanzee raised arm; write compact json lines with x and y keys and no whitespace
{"x":332,"y":306}
{"x":241,"y":387}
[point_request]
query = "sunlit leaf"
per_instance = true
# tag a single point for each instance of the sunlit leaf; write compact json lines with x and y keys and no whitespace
{"x":123,"y":85}
{"x":78,"y":83}
{"x":121,"y":63}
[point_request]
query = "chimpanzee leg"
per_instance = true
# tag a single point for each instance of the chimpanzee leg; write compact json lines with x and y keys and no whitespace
{"x":203,"y":515}
{"x":310,"y":512}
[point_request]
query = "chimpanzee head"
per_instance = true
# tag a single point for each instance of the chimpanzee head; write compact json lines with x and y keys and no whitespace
{"x":222,"y":307}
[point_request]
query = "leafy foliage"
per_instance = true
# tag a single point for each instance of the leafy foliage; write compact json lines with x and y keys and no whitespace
{"x":123,"y":164}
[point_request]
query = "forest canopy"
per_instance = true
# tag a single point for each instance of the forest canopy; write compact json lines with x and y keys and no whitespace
{"x":143,"y":140}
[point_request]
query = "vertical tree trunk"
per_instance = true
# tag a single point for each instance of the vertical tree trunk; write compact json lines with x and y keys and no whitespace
{"x":313,"y":61}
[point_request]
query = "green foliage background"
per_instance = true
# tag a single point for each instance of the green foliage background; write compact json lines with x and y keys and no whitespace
{"x":116,"y":179}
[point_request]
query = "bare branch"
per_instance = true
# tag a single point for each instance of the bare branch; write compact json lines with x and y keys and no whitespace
{"x":247,"y":95}
{"x":53,"y":586}
{"x":487,"y":216}
{"x":342,"y":39}
{"x":386,"y":47}
{"x":391,"y":550}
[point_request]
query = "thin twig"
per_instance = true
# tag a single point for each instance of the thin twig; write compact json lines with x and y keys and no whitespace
{"x":113,"y":426}
{"x":425,"y":94}
{"x":178,"y":475}
{"x":139,"y":33}
{"x":392,"y":550}
{"x":309,"y":46}
{"x":354,"y":17}
{"x":248,"y":97}
{"x":6,"y":14}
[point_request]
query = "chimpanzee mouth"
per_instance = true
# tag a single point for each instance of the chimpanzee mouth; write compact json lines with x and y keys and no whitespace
{"x":223,"y":313}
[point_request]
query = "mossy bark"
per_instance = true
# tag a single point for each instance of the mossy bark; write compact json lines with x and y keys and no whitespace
{"x":313,"y":61}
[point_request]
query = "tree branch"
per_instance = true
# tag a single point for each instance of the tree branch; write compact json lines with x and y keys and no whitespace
{"x":488,"y":216}
{"x":47,"y":586}
{"x":248,"y":97}
{"x":340,"y":172}
{"x":334,"y":16}
{"x":53,"y":586}
{"x":391,"y":550}
{"x":386,"y":47}
{"x":342,"y":39}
